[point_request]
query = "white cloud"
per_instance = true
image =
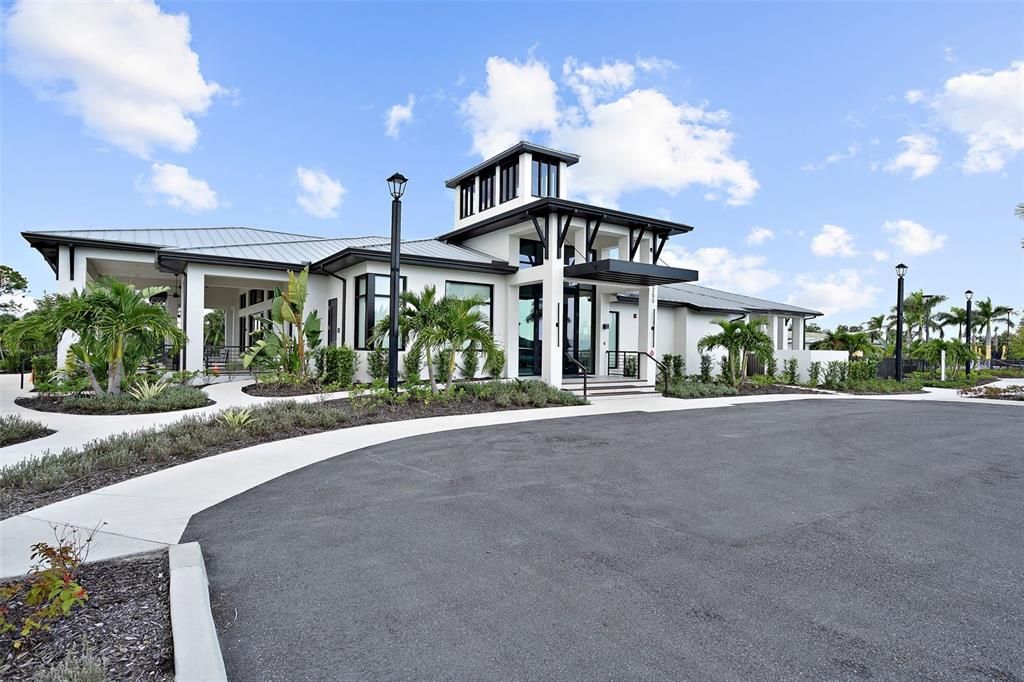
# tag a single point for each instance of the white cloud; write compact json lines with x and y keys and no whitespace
{"x":398,"y":115}
{"x":913,"y":96}
{"x":987,"y":108}
{"x":835,"y":293}
{"x":319,"y":195}
{"x":718,"y":267}
{"x":913,"y":238}
{"x":879,"y":255}
{"x":178,"y":188}
{"x":851,"y":151}
{"x":126,"y":68}
{"x":634,"y":140}
{"x":919,"y":155}
{"x":655,"y":65}
{"x":949,"y":55}
{"x":833,"y":240}
{"x":759,"y":235}
{"x":520,"y":99}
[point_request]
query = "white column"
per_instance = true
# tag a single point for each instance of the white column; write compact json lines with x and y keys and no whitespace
{"x":647,"y":319}
{"x":194,"y":301}
{"x":71,"y":265}
{"x":603,"y":335}
{"x":780,"y":332}
{"x":552,"y":347}
{"x":798,"y":333}
{"x":512,"y":333}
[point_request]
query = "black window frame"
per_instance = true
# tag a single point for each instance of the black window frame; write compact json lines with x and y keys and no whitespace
{"x":467,"y":196}
{"x":368,"y":321}
{"x":509,"y":181}
{"x":487,"y":184}
{"x":538,"y":252}
{"x":490,"y":296}
{"x":551,"y":170}
{"x":243,"y":301}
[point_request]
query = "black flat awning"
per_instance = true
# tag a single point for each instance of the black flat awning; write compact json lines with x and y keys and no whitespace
{"x":629,"y":272}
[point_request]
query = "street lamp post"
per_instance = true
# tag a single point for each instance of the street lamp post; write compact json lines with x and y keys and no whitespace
{"x":968,"y":295}
{"x":396,"y":184}
{"x":901,"y":270}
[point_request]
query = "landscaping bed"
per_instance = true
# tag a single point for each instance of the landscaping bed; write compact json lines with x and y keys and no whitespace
{"x":1013,"y":392}
{"x":53,"y":477}
{"x":283,"y":390}
{"x":122,"y":632}
{"x":172,"y":399}
{"x":697,"y":389}
{"x":15,"y":429}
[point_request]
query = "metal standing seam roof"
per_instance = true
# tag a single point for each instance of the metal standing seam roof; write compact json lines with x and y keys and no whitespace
{"x":179,"y":237}
{"x":703,"y":298}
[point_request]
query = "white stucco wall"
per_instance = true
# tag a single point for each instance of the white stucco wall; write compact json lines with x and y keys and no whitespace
{"x":806,"y":357}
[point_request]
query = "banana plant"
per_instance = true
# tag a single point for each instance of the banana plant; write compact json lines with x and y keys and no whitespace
{"x":275,"y":344}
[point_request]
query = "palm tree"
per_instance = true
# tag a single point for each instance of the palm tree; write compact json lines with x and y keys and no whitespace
{"x":1019,"y":211}
{"x":874,"y":327}
{"x":417,"y":318}
{"x":984,"y":314}
{"x":116,"y":325}
{"x":738,"y":338}
{"x":955,"y":315}
{"x":927,"y":314}
{"x":461,"y":324}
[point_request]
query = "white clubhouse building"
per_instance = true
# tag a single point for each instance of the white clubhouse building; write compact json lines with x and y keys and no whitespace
{"x":567,"y":284}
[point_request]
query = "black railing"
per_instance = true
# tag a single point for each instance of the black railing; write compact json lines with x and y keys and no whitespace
{"x":224,"y":360}
{"x":618,"y":365}
{"x":583,"y":372}
{"x":996,"y":363}
{"x":168,"y":358}
{"x":887,"y":367}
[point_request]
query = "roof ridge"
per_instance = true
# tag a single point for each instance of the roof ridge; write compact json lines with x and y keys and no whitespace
{"x":169,"y":229}
{"x":290,"y":241}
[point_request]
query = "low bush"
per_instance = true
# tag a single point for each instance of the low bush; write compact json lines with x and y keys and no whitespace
{"x":16,"y":429}
{"x":771,"y":367}
{"x":862,"y":370}
{"x":470,"y":361}
{"x":699,"y":389}
{"x":1013,"y":392}
{"x":792,"y":371}
{"x":43,"y":366}
{"x":377,"y":364}
{"x":705,"y":368}
{"x":494,"y":366}
{"x":442,"y":368}
{"x":882,"y":386}
{"x":173,"y":398}
{"x":814,"y":373}
{"x":412,"y":365}
{"x":339,"y":366}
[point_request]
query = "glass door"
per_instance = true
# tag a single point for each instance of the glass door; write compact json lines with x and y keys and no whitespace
{"x":578,"y":324}
{"x":531,"y":330}
{"x":613,"y":339}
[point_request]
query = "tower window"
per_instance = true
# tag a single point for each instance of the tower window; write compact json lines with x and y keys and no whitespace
{"x":545,"y":177}
{"x":509,"y":181}
{"x":487,"y":190}
{"x":466,"y":196}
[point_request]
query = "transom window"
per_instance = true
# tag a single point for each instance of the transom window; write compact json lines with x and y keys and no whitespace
{"x":469,"y":290}
{"x":467,"y":194}
{"x":487,"y":190}
{"x":373,"y":303}
{"x":531,"y":253}
{"x":545,"y":177}
{"x":509,"y":181}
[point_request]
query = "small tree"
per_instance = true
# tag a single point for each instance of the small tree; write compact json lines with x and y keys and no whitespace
{"x":275,"y":341}
{"x":12,"y":284}
{"x":737,"y":338}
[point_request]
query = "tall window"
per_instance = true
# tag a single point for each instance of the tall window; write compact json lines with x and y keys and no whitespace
{"x":466,"y":195}
{"x":372,"y":305}
{"x":487,"y":190}
{"x":545,"y":177}
{"x":469,"y":290}
{"x":509,"y":181}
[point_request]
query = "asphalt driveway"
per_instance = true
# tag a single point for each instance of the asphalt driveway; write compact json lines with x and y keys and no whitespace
{"x":823,"y":539}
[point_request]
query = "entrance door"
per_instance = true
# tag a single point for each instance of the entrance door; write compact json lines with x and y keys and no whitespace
{"x":531,"y":330}
{"x":332,"y":322}
{"x":578,"y":325}
{"x":613,"y":339}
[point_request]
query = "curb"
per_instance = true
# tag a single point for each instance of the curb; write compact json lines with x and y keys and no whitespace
{"x":197,"y":654}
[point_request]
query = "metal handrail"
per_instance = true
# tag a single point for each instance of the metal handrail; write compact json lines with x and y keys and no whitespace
{"x":580,"y":365}
{"x":664,"y":370}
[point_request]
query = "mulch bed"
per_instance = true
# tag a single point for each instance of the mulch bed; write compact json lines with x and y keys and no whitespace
{"x":41,"y":434}
{"x":19,"y":501}
{"x":269,"y":390}
{"x":55,"y":403}
{"x":771,"y":389}
{"x":126,"y":622}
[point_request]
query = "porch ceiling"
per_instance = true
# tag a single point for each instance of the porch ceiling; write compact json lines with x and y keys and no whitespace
{"x":629,"y":273}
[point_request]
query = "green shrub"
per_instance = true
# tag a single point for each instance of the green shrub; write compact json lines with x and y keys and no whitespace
{"x":678,"y":367}
{"x":699,"y":389}
{"x":495,"y":366}
{"x":15,"y":429}
{"x":43,"y":366}
{"x":882,"y":386}
{"x":173,"y":398}
{"x":377,"y":364}
{"x":723,"y":368}
{"x":339,"y":366}
{"x":442,"y":369}
{"x":862,"y":370}
{"x":771,"y":367}
{"x":835,"y":375}
{"x":629,"y":366}
{"x":792,"y":371}
{"x":412,"y":365}
{"x":814,"y":373}
{"x":470,"y":361}
{"x":705,"y":368}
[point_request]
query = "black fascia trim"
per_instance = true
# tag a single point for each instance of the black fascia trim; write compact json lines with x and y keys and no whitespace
{"x":42,"y":242}
{"x":174,"y":261}
{"x":352,"y":256}
{"x":515,"y":150}
{"x":627,"y":298}
{"x":548,"y":204}
{"x":630,"y":272}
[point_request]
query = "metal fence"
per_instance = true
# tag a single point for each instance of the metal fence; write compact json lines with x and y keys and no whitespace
{"x":887,"y":367}
{"x":224,"y":360}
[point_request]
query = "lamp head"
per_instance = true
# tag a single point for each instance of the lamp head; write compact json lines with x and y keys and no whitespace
{"x":901,"y":270}
{"x":968,"y":294}
{"x":396,"y":184}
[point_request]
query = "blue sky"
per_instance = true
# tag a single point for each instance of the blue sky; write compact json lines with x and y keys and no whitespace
{"x":812,"y":146}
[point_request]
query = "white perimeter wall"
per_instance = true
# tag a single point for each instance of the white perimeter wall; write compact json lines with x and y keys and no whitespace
{"x":806,"y":357}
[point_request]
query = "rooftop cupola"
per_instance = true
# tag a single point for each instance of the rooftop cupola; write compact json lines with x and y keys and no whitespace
{"x":522,"y":173}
